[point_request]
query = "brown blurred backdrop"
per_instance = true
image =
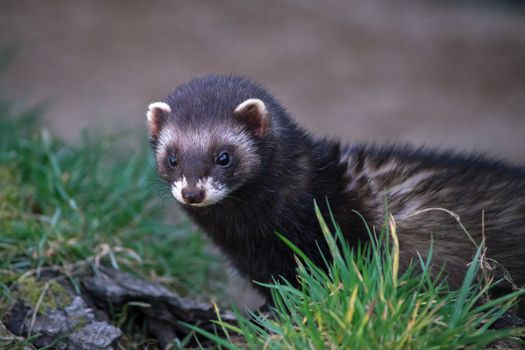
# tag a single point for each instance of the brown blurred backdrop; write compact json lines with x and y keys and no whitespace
{"x":447,"y":74}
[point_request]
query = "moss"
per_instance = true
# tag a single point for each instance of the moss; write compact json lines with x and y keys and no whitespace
{"x":30,"y":290}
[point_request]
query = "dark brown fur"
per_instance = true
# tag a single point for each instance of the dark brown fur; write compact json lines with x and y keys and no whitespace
{"x":276,"y":190}
{"x":428,"y":193}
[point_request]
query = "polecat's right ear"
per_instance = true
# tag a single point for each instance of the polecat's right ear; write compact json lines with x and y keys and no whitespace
{"x":255,"y":116}
{"x":157,"y":114}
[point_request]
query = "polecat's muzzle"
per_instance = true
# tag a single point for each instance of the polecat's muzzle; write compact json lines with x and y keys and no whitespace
{"x":193,"y":195}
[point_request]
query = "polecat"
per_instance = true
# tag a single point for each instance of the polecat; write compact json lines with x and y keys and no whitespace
{"x":243,"y":169}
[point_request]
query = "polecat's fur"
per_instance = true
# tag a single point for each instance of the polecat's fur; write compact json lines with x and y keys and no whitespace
{"x":242,"y":170}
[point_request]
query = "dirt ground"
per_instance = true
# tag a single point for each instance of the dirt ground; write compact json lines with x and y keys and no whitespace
{"x":429,"y":72}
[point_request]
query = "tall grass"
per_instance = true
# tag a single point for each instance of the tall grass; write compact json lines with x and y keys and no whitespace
{"x":362,"y":301}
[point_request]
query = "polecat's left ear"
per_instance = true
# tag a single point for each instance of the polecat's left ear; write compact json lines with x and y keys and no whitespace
{"x":254,"y":114}
{"x":157,"y":114}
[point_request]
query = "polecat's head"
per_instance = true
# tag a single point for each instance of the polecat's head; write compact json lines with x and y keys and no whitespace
{"x":207,"y":137}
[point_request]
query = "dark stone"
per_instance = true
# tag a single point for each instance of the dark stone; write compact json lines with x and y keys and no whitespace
{"x":165,"y":311}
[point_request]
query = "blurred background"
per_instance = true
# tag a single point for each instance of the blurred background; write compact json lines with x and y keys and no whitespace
{"x":449,"y":74}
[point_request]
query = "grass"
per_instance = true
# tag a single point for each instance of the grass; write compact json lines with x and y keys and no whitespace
{"x":70,"y":206}
{"x":364,"y":302}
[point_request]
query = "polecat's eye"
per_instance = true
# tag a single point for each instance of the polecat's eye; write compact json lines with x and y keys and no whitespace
{"x":172,"y":160}
{"x":223,"y":159}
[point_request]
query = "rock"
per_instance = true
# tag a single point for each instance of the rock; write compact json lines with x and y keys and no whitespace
{"x":77,"y":321}
{"x":71,"y":326}
{"x":94,"y":336}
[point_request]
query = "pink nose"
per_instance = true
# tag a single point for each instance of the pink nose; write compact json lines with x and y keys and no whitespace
{"x":192,"y":195}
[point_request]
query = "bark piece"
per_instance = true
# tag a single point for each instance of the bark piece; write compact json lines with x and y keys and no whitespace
{"x":165,"y":310}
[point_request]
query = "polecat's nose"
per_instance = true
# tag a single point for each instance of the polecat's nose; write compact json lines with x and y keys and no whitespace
{"x":192,"y":195}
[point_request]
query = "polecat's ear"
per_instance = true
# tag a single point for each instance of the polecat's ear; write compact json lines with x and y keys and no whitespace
{"x":157,"y":114}
{"x":254,"y":114}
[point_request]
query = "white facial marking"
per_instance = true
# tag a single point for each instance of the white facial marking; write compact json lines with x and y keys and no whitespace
{"x":199,"y":139}
{"x":166,"y":138}
{"x":157,"y":105}
{"x":261,"y":107}
{"x":213,"y":192}
{"x":176,"y":189}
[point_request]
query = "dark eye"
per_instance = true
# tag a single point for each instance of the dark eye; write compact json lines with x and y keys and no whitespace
{"x":172,"y":160}
{"x":223,"y":159}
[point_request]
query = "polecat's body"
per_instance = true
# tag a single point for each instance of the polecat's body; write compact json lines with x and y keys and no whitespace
{"x":243,"y":169}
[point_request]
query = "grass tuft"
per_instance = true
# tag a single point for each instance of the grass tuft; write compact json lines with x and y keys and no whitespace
{"x":363,"y":301}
